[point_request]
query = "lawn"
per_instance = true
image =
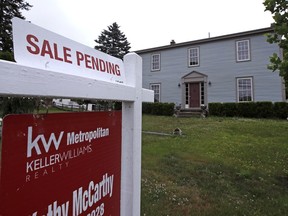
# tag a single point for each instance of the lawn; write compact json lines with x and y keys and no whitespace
{"x":220,"y":166}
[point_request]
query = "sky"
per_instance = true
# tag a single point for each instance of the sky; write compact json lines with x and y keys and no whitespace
{"x":148,"y":23}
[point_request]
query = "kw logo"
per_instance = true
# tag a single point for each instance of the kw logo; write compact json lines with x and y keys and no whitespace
{"x":34,"y":144}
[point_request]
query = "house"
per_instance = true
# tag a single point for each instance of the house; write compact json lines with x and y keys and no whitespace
{"x":229,"y":68}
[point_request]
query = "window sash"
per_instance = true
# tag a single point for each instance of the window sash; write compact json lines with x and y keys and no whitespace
{"x":243,"y":50}
{"x":155,"y":62}
{"x":245,"y":89}
{"x":156,"y":89}
{"x":193,"y":56}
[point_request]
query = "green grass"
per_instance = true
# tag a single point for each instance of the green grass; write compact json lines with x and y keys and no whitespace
{"x":220,"y":166}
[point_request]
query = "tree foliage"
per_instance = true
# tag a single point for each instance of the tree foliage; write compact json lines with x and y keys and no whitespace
{"x":279,"y":11}
{"x":113,"y":42}
{"x":8,"y":10}
{"x":18,"y":105}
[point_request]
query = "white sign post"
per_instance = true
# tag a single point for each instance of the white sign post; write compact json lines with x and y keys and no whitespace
{"x":49,"y":65}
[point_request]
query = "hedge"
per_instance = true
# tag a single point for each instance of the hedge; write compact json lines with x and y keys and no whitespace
{"x":281,"y":110}
{"x":166,"y":109}
{"x":263,"y":109}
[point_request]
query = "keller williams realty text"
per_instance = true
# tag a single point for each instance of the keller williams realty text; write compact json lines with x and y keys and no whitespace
{"x":37,"y":145}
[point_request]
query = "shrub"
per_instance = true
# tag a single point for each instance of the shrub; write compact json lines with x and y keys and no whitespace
{"x":263,"y":109}
{"x":230,"y":109}
{"x":216,"y":109}
{"x":166,"y":109}
{"x":281,"y":110}
{"x":247,"y":110}
{"x":17,"y":105}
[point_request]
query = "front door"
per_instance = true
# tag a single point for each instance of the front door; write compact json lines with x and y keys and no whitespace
{"x":194,"y":95}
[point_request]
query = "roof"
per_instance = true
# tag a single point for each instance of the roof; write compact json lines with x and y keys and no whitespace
{"x":207,"y":40}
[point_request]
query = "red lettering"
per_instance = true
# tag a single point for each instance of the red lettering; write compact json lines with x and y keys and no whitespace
{"x":56,"y":52}
{"x":67,"y":55}
{"x":88,"y":60}
{"x":80,"y":57}
{"x":118,"y":73}
{"x":46,"y":49}
{"x":34,"y":49}
{"x":95,"y":63}
{"x":111,"y":68}
{"x":108,"y":70}
{"x":52,"y":52}
{"x":102,"y":65}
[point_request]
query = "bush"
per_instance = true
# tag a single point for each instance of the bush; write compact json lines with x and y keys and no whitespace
{"x":216,"y":109}
{"x":17,"y":105}
{"x":166,"y":109}
{"x":247,"y":110}
{"x":281,"y":110}
{"x":230,"y":109}
{"x":263,"y":109}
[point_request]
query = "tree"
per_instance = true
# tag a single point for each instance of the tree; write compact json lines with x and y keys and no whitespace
{"x":113,"y":42}
{"x":8,"y":10}
{"x":279,"y":11}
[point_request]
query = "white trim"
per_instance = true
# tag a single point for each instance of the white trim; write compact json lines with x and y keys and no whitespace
{"x":159,"y":86}
{"x":237,"y":51}
{"x":251,"y":90}
{"x":153,"y":68}
{"x":198,"y":56}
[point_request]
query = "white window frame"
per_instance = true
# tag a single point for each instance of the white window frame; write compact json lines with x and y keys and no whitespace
{"x":155,"y":62}
{"x":243,"y":52}
{"x":192,"y":56}
{"x":156,"y":94}
{"x":244,"y":88}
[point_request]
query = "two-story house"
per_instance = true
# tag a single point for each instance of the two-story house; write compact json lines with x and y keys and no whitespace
{"x":229,"y":68}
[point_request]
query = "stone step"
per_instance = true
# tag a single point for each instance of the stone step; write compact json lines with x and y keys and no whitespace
{"x":189,"y":113}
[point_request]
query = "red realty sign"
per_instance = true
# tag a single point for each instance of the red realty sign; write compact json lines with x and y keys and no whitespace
{"x":61,"y":164}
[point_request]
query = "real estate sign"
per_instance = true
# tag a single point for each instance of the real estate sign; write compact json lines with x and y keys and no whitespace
{"x":61,"y":164}
{"x":39,"y":48}
{"x":72,"y":163}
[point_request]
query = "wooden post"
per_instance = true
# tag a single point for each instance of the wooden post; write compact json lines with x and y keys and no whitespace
{"x":131,"y":139}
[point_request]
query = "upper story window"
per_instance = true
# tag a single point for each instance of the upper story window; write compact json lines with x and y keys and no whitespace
{"x":243,"y":50}
{"x":245,"y":89}
{"x":193,"y":56}
{"x":155,"y":62}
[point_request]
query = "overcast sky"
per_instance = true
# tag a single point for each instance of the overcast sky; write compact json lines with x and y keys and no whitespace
{"x":148,"y":23}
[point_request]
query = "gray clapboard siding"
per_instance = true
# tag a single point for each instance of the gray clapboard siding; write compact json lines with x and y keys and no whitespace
{"x":218,"y":62}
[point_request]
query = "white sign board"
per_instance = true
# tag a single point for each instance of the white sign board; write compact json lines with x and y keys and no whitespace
{"x":39,"y":48}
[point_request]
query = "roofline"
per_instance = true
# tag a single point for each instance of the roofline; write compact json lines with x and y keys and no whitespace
{"x":207,"y":40}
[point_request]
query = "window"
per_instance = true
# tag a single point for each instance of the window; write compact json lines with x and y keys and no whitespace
{"x":193,"y":56}
{"x":243,"y":50}
{"x":245,"y":89}
{"x":187,"y":94}
{"x":202,"y":93}
{"x":155,"y":62}
{"x":156,"y":89}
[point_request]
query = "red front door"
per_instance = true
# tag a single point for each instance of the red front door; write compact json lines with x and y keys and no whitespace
{"x":194,"y":95}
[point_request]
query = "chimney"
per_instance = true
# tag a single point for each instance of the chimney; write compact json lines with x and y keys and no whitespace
{"x":172,"y":42}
